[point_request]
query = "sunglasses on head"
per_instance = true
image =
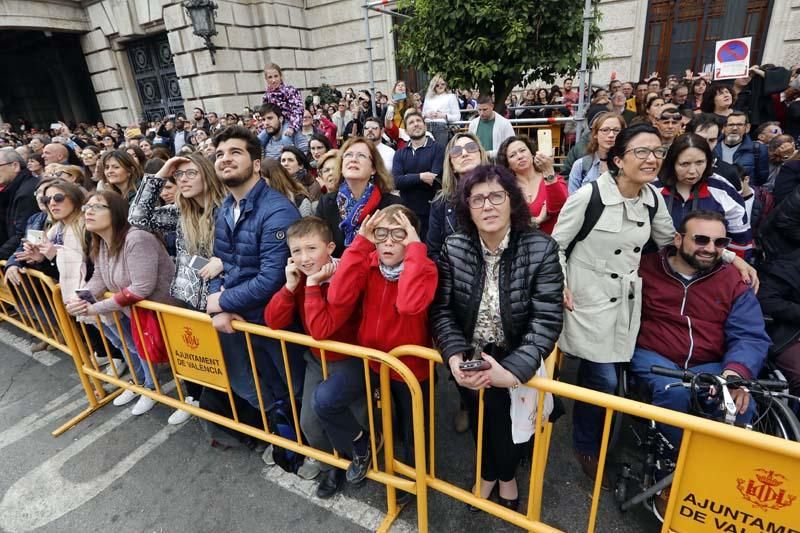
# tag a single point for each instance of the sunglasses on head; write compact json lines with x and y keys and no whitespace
{"x":675,"y":117}
{"x":703,"y":240}
{"x":57,"y":198}
{"x":471,"y":148}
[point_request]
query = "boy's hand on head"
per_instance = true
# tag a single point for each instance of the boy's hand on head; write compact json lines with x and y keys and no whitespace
{"x":367,"y":229}
{"x":411,"y":232}
{"x":324,"y":274}
{"x":292,"y":275}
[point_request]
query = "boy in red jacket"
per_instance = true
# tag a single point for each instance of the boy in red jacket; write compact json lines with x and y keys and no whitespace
{"x":309,"y":267}
{"x":387,"y":276}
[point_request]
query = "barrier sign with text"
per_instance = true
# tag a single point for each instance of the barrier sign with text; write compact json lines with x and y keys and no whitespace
{"x":195,"y":350}
{"x":732,"y":58}
{"x":729,"y":487}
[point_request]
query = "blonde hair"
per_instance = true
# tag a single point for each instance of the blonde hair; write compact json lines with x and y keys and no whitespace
{"x":432,"y":85}
{"x":449,"y":178}
{"x":197,"y":217}
{"x":383,"y":179}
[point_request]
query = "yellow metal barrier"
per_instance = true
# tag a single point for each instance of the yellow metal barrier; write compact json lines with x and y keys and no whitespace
{"x":725,"y":476}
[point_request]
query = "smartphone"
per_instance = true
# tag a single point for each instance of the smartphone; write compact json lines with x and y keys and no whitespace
{"x":34,"y":236}
{"x":197,"y":262}
{"x":85,"y":295}
{"x":474,"y":365}
{"x":55,"y":126}
{"x":398,"y":96}
{"x":544,"y":138}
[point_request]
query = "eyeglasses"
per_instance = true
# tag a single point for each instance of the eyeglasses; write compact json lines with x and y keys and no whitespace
{"x":643,"y":152}
{"x":353,"y":155}
{"x":703,"y":240}
{"x":471,"y":148}
{"x":477,"y":201}
{"x":57,"y":198}
{"x":606,"y":131}
{"x":397,"y":234}
{"x":93,"y":208}
{"x":189,"y":173}
{"x":4,"y":164}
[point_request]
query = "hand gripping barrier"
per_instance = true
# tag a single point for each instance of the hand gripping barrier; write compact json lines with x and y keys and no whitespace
{"x":724,"y":475}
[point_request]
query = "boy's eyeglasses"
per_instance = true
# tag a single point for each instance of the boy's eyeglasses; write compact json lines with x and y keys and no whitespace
{"x":397,"y":234}
{"x":703,"y":240}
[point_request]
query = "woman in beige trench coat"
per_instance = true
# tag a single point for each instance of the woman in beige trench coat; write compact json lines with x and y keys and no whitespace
{"x":603,"y":288}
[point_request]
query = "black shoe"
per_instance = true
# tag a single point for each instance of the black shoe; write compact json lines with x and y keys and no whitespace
{"x":509,"y":504}
{"x":330,"y":484}
{"x":404,"y":498}
{"x":358,"y":469}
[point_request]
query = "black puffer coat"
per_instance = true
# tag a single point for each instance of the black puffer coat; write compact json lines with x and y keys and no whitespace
{"x":531,"y":295}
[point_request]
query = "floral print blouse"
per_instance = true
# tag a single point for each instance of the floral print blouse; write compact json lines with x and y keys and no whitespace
{"x":488,"y":326}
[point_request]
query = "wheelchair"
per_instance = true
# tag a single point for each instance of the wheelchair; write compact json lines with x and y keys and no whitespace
{"x":639,"y":483}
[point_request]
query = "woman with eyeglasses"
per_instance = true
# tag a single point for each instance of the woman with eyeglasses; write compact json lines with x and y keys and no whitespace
{"x":462,"y":155}
{"x":498,"y":300}
{"x":688,"y":183}
{"x":601,"y":232}
{"x":119,"y":252}
{"x":605,"y":128}
{"x":365,"y":188}
{"x":440,"y":108}
{"x":544,"y":190}
{"x":90,"y":156}
{"x":192,"y":215}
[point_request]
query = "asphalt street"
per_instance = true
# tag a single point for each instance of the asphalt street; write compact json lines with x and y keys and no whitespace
{"x":138,"y":474}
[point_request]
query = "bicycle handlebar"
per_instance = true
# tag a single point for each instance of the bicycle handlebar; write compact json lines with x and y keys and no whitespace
{"x":687,"y":375}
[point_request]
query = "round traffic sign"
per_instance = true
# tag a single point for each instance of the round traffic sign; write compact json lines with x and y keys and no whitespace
{"x":732,"y":51}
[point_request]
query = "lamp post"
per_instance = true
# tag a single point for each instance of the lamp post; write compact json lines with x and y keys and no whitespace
{"x":203,"y":14}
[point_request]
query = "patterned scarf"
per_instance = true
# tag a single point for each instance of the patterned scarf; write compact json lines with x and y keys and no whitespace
{"x":352,"y":211}
{"x":391,"y":273}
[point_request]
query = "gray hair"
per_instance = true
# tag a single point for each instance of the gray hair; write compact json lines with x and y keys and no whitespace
{"x":10,"y":155}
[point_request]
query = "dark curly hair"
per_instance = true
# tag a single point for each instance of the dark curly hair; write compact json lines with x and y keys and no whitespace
{"x":502,"y":152}
{"x":520,"y":215}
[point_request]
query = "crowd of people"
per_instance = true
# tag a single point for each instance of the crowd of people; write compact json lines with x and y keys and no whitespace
{"x":395,"y":228}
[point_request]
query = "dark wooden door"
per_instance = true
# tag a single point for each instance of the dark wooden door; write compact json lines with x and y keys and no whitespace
{"x":681,"y":34}
{"x":156,"y":81}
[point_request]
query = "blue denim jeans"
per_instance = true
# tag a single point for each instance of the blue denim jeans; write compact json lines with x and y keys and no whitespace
{"x":140,"y":368}
{"x":587,"y":419}
{"x":676,"y":398}
{"x":269,"y":364}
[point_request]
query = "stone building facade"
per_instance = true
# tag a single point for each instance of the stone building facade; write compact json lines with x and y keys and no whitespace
{"x":143,"y":59}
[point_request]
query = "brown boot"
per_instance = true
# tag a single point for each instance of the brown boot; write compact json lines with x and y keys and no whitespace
{"x":589,"y":466}
{"x":660,"y":502}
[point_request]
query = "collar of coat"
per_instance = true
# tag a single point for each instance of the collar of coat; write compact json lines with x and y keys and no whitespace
{"x":609,"y":192}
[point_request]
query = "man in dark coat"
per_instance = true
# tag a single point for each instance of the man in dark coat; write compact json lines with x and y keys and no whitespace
{"x":18,"y":187}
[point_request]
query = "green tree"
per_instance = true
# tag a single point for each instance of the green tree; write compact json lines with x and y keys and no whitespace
{"x":495,"y":45}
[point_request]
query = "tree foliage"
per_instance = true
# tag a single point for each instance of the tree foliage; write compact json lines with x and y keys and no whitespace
{"x":494,"y":44}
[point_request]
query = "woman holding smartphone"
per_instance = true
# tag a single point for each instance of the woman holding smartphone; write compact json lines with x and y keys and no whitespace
{"x":191,"y":217}
{"x":517,"y":317}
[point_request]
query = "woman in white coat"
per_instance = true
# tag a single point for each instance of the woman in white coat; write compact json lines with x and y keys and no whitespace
{"x":602,"y":295}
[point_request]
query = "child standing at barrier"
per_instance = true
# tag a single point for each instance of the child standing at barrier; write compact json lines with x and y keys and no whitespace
{"x":386,"y":275}
{"x":307,"y":273}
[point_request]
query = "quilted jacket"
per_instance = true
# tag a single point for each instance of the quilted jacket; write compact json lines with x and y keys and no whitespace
{"x":531,"y":291}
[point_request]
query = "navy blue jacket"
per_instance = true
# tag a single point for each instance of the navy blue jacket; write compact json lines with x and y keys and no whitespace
{"x":406,"y":168}
{"x":253,"y":251}
{"x":441,"y":224}
{"x":746,"y":156}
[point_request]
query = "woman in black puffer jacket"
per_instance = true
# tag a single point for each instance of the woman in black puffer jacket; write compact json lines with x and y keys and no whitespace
{"x":500,"y":299}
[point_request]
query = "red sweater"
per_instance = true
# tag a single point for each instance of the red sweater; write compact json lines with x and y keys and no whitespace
{"x":555,"y":195}
{"x":391,"y":313}
{"x":284,"y":306}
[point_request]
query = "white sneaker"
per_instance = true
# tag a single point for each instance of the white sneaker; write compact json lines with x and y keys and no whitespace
{"x":310,"y":468}
{"x":144,"y":404}
{"x":126,"y":397}
{"x":101,"y":360}
{"x":267,"y":456}
{"x":120,"y":364}
{"x":180,"y":416}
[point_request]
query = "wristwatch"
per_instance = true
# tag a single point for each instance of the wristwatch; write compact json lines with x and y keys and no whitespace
{"x":550,"y":179}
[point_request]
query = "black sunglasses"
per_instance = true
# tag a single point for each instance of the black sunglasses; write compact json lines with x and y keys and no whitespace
{"x":57,"y":198}
{"x":703,"y":240}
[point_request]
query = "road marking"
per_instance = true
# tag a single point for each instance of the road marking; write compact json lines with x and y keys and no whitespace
{"x":23,"y":345}
{"x":43,"y":494}
{"x":44,"y":416}
{"x":358,"y":512}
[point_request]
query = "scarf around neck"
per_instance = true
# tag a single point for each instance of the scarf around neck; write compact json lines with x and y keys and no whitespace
{"x":391,"y":273}
{"x":352,"y":211}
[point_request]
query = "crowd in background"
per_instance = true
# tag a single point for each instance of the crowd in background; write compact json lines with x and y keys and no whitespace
{"x":405,"y":226}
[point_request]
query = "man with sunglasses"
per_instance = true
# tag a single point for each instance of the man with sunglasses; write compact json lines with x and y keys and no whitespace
{"x":697,"y":314}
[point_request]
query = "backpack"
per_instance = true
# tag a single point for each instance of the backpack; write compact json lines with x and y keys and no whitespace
{"x":593,"y":211}
{"x":586,"y":164}
{"x":280,"y":422}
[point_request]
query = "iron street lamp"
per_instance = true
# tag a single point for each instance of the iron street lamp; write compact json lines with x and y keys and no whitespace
{"x":203,"y":14}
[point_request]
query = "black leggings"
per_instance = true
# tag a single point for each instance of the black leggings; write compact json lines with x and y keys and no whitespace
{"x":500,"y":456}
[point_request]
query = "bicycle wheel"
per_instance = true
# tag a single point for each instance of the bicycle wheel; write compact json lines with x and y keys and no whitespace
{"x":775,"y":418}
